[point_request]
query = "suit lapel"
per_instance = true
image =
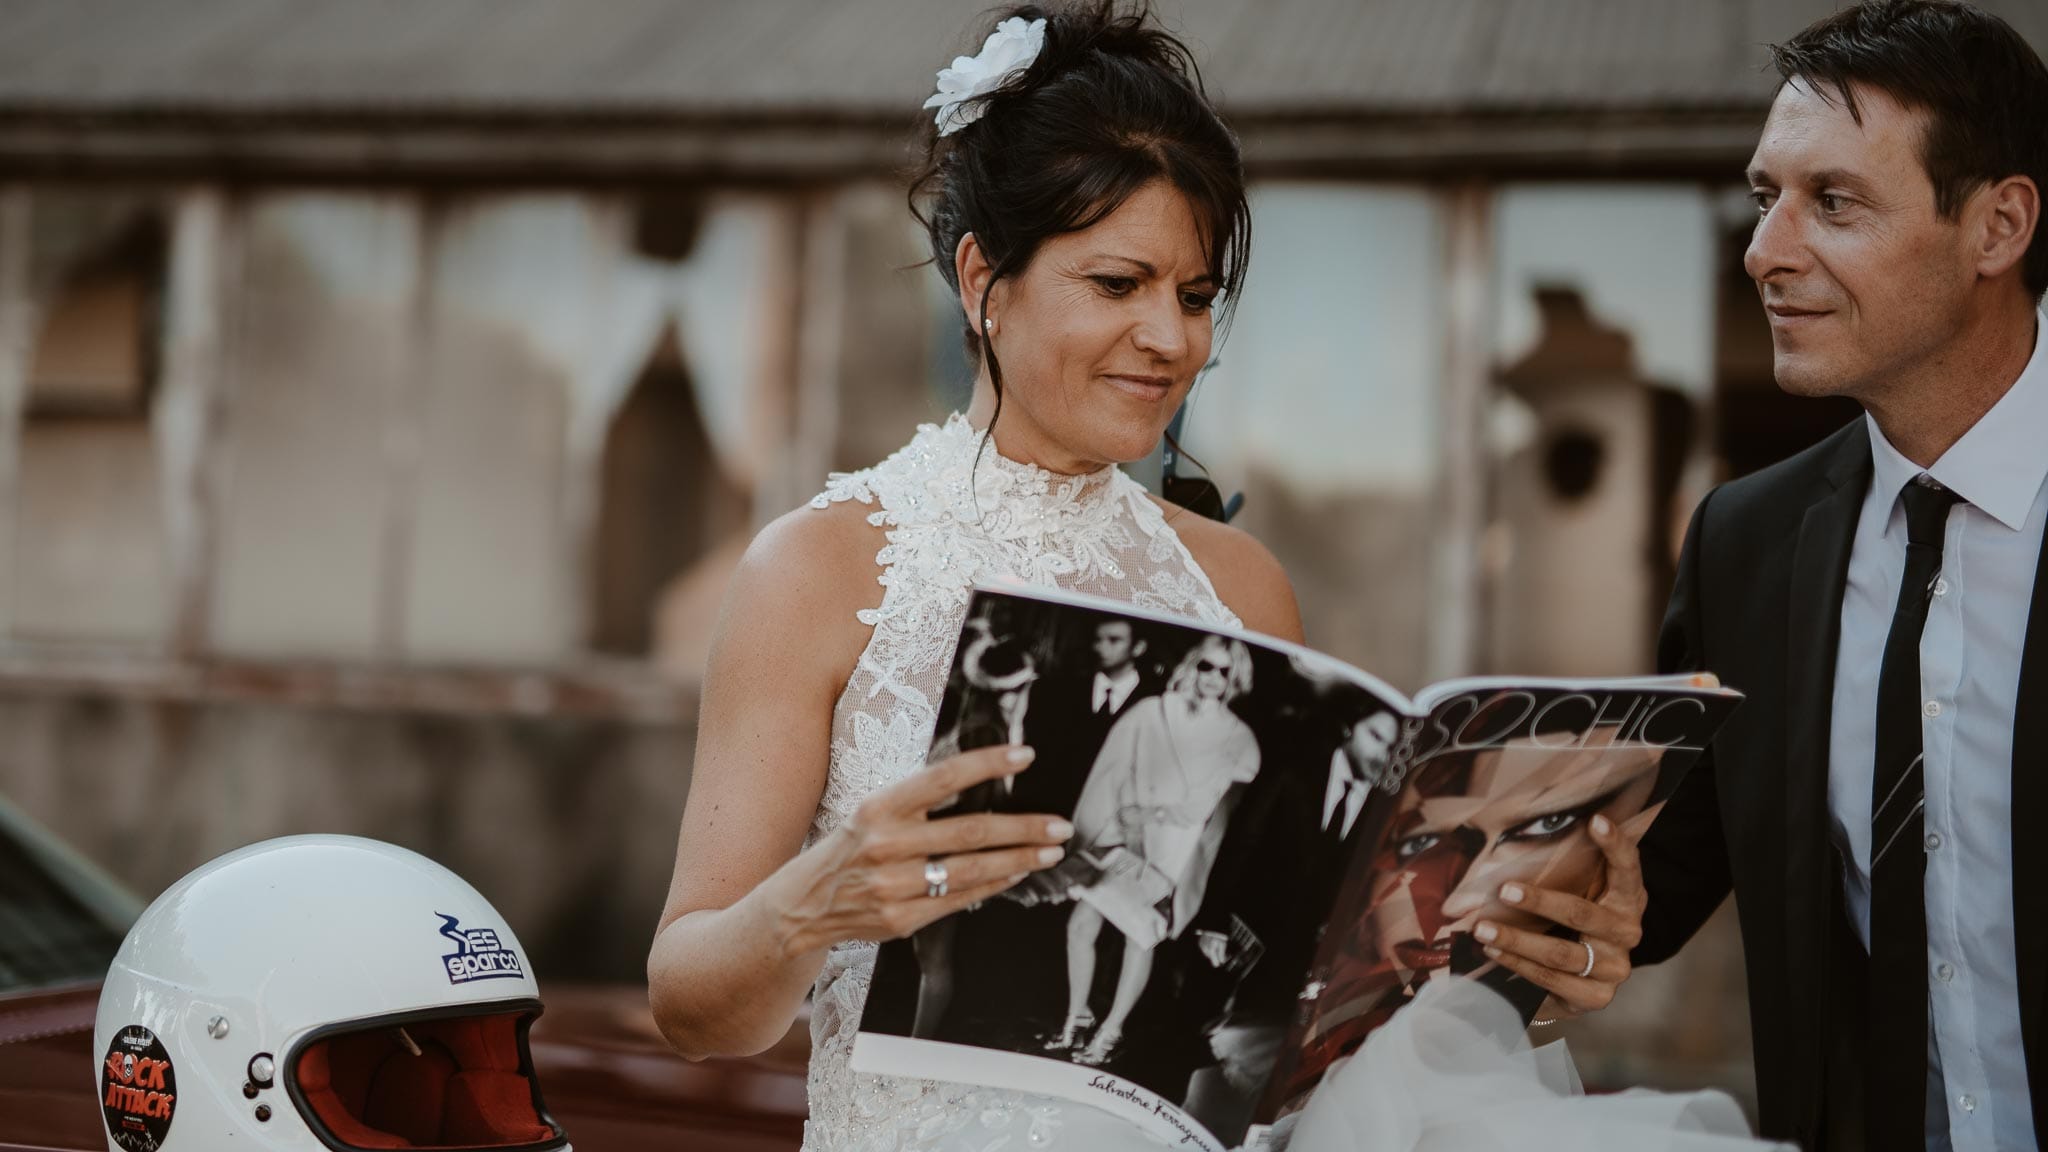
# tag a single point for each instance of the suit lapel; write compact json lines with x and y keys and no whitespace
{"x":1820,"y":568}
{"x":2029,"y":847}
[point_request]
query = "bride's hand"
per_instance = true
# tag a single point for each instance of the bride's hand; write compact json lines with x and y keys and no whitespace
{"x":867,"y":880}
{"x":1611,"y":926}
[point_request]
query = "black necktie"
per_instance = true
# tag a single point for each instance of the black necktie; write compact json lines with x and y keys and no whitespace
{"x":1335,"y":832}
{"x":1895,"y":1092}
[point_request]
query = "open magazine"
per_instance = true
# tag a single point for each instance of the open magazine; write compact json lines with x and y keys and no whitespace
{"x":1273,"y":851}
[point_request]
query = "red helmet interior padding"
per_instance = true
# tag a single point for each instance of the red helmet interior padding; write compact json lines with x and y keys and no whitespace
{"x":464,"y":1090}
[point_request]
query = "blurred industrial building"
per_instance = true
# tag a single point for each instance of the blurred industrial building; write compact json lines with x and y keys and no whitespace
{"x":388,"y":388}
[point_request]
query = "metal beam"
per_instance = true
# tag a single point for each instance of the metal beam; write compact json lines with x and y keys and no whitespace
{"x":1688,"y":142}
{"x":609,"y":690}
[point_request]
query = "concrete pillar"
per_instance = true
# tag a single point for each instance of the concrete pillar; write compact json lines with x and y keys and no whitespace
{"x":773,"y":408}
{"x":17,"y":348}
{"x":821,"y":340}
{"x":404,"y":414}
{"x":204,"y":251}
{"x":1457,"y":626}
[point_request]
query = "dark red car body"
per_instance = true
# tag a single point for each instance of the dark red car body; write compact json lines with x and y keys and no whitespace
{"x":605,"y":1073}
{"x":608,"y":1078}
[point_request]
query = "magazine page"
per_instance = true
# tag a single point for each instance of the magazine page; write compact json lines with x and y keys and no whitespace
{"x":1499,"y":782}
{"x":1218,"y":783}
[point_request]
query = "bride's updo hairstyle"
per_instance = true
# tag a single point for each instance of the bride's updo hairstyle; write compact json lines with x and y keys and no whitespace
{"x":1112,"y":103}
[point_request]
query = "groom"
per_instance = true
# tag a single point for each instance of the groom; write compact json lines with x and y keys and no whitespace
{"x":1877,"y":805}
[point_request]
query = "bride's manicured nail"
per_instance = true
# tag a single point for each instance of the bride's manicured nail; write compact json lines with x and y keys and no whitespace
{"x":1486,"y":933}
{"x":1602,"y":826}
{"x":1059,"y":829}
{"x":1051,"y":855}
{"x":1512,"y":893}
{"x":1493,"y":953}
{"x":1018,"y":877}
{"x":1020,"y":755}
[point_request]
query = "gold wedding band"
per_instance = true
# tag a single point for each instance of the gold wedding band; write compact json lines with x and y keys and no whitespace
{"x":935,"y":881}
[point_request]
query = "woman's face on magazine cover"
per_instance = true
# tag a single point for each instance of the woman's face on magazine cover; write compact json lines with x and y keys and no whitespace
{"x":1102,"y":333}
{"x":1515,"y":813}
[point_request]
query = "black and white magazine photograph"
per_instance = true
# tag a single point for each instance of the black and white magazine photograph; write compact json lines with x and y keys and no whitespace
{"x":1216,"y":788}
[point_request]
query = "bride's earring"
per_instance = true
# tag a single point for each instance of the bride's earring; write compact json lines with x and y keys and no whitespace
{"x":988,"y":325}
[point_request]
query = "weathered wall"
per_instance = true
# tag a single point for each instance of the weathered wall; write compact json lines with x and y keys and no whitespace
{"x":89,"y":498}
{"x":567,"y":826}
{"x":406,"y":414}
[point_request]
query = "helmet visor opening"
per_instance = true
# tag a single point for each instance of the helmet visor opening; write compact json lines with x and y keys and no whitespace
{"x":456,"y":1082}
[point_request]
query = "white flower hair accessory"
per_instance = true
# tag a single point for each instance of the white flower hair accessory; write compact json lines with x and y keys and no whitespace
{"x":1009,"y":49}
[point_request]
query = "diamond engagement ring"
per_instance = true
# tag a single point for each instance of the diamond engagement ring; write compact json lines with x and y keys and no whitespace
{"x":935,"y":882}
{"x":1587,"y":971}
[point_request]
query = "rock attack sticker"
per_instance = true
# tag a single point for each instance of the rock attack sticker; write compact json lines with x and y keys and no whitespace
{"x":138,"y":1090}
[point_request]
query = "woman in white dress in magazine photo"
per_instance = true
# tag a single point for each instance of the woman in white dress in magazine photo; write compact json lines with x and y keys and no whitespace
{"x":1087,"y":206}
{"x":1149,"y":822}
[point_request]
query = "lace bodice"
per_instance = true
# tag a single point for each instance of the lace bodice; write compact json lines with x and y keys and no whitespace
{"x":955,"y":513}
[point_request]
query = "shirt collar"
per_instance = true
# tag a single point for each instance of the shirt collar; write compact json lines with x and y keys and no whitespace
{"x":1998,"y":465}
{"x":1129,"y":674}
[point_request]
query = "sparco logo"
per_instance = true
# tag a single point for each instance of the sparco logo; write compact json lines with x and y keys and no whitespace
{"x":478,"y":955}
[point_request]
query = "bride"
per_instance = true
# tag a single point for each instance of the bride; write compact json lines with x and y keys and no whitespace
{"x":1088,"y":207}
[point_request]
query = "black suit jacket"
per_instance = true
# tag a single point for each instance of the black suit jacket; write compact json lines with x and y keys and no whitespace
{"x":1066,"y":732}
{"x":1277,"y":871}
{"x":978,"y":731}
{"x":1758,"y":602}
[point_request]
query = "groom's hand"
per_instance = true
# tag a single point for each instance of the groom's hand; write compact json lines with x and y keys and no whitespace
{"x":1611,"y":925}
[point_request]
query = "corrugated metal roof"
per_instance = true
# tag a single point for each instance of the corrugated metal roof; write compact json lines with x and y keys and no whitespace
{"x":711,"y":57}
{"x":577,"y":56}
{"x":388,"y":66}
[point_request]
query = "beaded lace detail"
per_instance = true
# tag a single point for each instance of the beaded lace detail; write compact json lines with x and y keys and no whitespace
{"x":954,"y":514}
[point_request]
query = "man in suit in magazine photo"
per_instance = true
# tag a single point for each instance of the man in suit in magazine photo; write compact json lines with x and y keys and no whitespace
{"x":1875,"y":804}
{"x":1249,"y":948}
{"x":1078,"y":704}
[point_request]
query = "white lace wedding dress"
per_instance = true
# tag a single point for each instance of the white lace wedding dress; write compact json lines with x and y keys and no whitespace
{"x":957,"y":512}
{"x":1451,"y":1073}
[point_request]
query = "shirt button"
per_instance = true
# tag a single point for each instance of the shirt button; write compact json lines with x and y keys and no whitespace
{"x":1967,"y":1101}
{"x":1940,"y":586}
{"x":1934,"y":841}
{"x":1944,"y":972}
{"x":1933,"y":708}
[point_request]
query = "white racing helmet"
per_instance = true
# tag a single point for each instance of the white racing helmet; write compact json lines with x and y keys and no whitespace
{"x":320,"y":992}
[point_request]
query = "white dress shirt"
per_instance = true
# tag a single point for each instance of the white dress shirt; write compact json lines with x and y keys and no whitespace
{"x":1344,"y":789}
{"x":1013,"y":722}
{"x":1970,"y":652}
{"x":1114,"y":690}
